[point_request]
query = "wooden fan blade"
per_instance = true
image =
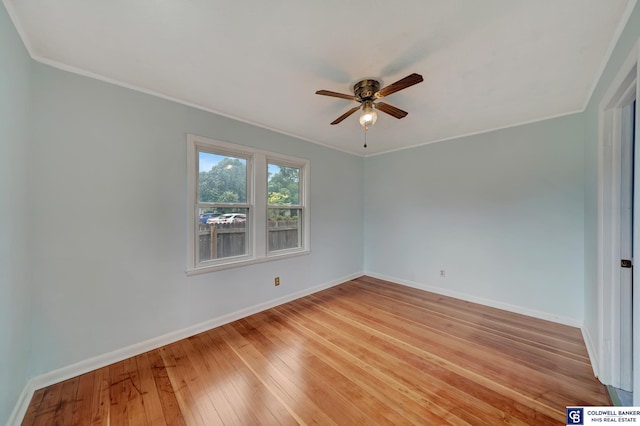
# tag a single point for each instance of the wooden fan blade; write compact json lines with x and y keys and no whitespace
{"x":345,"y":115}
{"x":409,"y":80}
{"x":391,"y":110}
{"x":336,"y":95}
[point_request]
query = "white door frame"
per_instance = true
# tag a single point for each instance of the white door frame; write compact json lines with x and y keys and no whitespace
{"x":627,"y":189}
{"x":622,"y":91}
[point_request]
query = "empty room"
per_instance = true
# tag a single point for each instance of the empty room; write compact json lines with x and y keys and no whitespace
{"x":285,"y":212}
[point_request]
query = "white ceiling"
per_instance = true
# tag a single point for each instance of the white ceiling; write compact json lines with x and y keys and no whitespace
{"x":487,"y":64}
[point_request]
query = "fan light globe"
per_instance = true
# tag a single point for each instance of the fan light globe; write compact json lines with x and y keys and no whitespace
{"x":368,"y":116}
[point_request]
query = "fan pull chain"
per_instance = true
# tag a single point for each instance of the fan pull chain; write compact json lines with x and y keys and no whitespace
{"x":365,"y":137}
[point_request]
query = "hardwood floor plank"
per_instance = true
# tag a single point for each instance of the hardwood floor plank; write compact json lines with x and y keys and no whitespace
{"x":241,"y":389}
{"x":119,"y":389}
{"x":364,"y":352}
{"x":279,"y":383}
{"x":168,"y":400}
{"x":64,"y":411}
{"x":190,"y":392}
{"x":83,"y":398}
{"x":307,"y":373}
{"x":101,"y":402}
{"x":149,"y":392}
{"x":215,"y":387}
{"x":135,"y":404}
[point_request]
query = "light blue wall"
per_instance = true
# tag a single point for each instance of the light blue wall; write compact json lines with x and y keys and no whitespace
{"x":15,"y":311}
{"x":108,"y":216}
{"x":627,"y":40}
{"x":501,"y":212}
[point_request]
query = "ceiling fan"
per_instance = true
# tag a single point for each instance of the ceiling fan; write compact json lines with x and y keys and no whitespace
{"x":367,"y":92}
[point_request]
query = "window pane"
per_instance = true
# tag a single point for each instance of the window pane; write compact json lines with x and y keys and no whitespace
{"x":221,"y":179}
{"x":222,"y":233}
{"x":284,"y":185}
{"x":284,"y":228}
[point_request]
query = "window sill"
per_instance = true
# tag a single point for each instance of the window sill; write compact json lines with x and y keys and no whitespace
{"x":245,"y":262}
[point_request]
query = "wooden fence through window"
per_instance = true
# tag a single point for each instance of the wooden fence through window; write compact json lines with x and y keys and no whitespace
{"x":230,"y":239}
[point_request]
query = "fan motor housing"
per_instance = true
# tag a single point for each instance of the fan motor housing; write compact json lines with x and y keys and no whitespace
{"x":365,"y":89}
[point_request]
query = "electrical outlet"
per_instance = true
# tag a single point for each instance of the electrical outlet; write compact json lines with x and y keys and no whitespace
{"x":276,"y":282}
{"x":442,"y":273}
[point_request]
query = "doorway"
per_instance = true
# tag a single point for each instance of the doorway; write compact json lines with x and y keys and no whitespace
{"x":618,"y":238}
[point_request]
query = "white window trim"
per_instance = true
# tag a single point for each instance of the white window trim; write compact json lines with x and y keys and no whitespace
{"x":257,"y":232}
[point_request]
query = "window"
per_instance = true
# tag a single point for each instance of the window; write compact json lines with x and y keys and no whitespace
{"x":285,"y":212}
{"x":245,"y":205}
{"x":222,"y":197}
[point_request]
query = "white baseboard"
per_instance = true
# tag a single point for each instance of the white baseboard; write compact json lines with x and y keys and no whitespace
{"x":486,"y":302}
{"x":100,"y":361}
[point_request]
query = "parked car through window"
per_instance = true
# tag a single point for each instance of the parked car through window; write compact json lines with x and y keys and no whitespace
{"x":228,"y":218}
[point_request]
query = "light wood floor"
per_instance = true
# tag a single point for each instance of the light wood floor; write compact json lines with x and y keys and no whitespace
{"x":366,"y":352}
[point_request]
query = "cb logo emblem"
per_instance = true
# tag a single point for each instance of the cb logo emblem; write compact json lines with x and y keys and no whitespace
{"x":575,"y":416}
